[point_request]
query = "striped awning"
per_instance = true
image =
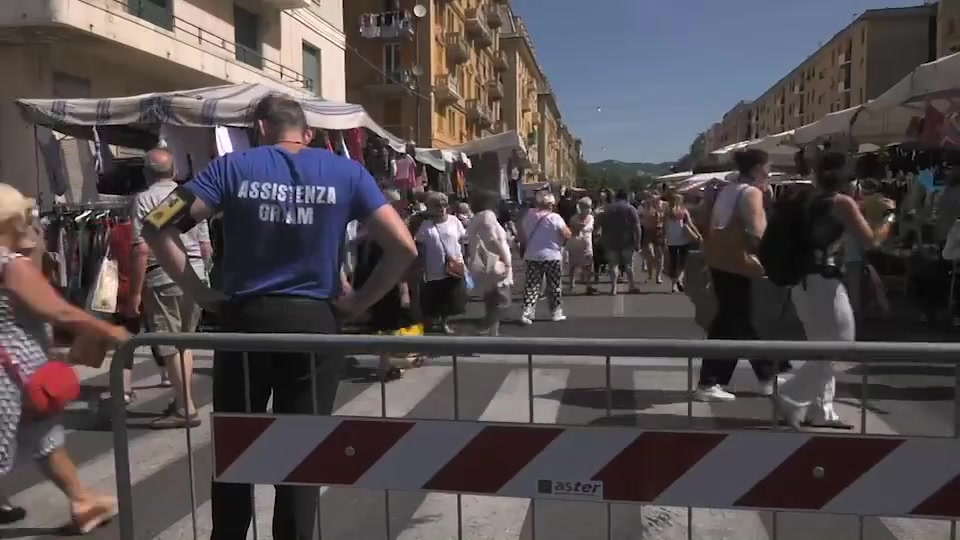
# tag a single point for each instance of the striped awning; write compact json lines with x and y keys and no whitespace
{"x":227,"y":105}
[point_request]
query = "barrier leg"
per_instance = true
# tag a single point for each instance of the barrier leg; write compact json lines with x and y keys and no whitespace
{"x":956,"y":424}
{"x":690,"y":421}
{"x":121,"y":442}
{"x":609,"y":413}
{"x":456,"y":416}
{"x":532,"y":420}
{"x":191,"y":467}
{"x":248,"y":408}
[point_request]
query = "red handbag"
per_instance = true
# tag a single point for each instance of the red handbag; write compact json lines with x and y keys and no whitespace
{"x":46,"y":393}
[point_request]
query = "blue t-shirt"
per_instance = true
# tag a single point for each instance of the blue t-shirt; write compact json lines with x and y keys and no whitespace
{"x":283,"y":235}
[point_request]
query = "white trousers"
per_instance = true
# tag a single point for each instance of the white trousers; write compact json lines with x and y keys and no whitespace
{"x":824,"y":309}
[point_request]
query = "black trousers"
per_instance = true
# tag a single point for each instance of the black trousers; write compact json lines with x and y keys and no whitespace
{"x":295,"y":380}
{"x":733,"y":320}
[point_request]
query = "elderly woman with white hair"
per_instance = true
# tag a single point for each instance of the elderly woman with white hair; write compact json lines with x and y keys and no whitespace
{"x":541,"y":235}
{"x":440,"y":243}
{"x":580,"y":246}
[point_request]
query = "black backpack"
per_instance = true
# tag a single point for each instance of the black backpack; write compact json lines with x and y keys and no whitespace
{"x":787,"y":250}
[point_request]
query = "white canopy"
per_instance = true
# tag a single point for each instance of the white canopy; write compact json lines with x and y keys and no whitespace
{"x":680,"y":176}
{"x":506,"y":141}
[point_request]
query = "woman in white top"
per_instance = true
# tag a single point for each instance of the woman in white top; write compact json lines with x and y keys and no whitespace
{"x":542,"y":234}
{"x":678,"y":243}
{"x":580,"y":246}
{"x":490,"y":261}
{"x":440,"y":244}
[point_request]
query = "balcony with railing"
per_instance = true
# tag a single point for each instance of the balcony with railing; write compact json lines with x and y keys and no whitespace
{"x":392,"y":82}
{"x":495,"y":89}
{"x":500,"y":63}
{"x":187,"y":32}
{"x":477,"y":27}
{"x":288,"y":4}
{"x":526,"y":104}
{"x":387,"y":25}
{"x":446,"y":88}
{"x":479,"y":112}
{"x":457,"y":50}
{"x":494,"y":17}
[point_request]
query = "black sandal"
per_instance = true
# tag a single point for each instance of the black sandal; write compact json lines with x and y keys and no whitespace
{"x":391,"y":374}
{"x":11,"y":514}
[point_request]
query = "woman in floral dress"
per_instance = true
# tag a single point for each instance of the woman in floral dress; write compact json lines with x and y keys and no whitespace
{"x":28,"y":303}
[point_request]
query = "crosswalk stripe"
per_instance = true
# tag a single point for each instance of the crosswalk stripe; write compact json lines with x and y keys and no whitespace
{"x":492,"y":517}
{"x":402,"y":396}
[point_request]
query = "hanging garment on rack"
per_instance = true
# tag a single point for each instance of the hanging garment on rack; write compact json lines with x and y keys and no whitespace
{"x":78,"y":240}
{"x":405,"y":175}
{"x":354,"y":143}
{"x":231,"y":140}
{"x":191,"y":148}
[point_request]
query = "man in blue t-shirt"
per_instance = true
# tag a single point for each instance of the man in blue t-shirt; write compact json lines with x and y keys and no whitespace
{"x":285,"y":208}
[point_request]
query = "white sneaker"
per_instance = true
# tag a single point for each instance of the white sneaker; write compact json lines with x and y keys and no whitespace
{"x":713,"y":393}
{"x":558,"y":316}
{"x":526,"y":319}
{"x":766,"y":388}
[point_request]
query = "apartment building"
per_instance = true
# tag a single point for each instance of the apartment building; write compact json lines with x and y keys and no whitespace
{"x":548,"y":135}
{"x":103,"y":48}
{"x":434,"y":79}
{"x":712,"y":137}
{"x":569,"y":156}
{"x":860,"y":62}
{"x":948,"y":27}
{"x":522,"y":81}
{"x":735,"y":125}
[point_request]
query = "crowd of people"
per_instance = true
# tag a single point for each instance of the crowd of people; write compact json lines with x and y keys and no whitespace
{"x":405,"y":265}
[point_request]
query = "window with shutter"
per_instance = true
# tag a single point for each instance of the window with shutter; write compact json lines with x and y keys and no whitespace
{"x":246,"y":35}
{"x":158,"y":12}
{"x":311,"y":69}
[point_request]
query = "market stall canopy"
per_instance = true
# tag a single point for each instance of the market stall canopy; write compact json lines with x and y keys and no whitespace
{"x":501,"y":142}
{"x":226,"y":105}
{"x":890,"y":117}
{"x":831,"y":124}
{"x":778,"y":143}
{"x":676,"y":177}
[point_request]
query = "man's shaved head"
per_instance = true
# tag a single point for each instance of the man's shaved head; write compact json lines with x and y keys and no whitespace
{"x":158,"y":165}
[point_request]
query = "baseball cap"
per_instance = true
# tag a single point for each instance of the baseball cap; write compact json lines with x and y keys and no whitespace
{"x":13,"y":203}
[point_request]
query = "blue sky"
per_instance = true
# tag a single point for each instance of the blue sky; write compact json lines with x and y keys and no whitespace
{"x":664,"y":70}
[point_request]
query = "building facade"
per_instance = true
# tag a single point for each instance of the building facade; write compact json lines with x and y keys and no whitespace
{"x":548,"y":135}
{"x":523,"y":80}
{"x":856,"y":65}
{"x":712,"y":137}
{"x":735,"y":125}
{"x":105,"y":48}
{"x":435,"y":79}
{"x":569,"y":157}
{"x":948,"y":27}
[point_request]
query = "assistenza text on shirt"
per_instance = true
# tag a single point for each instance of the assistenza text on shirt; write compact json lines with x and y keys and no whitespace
{"x":302,"y":198}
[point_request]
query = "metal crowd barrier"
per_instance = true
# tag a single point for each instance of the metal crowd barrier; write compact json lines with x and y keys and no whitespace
{"x":827,"y":473}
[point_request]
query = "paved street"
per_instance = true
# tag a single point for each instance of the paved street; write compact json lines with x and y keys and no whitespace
{"x":648,"y":392}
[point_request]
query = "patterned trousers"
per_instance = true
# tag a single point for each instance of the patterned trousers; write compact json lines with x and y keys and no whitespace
{"x":536,"y":272}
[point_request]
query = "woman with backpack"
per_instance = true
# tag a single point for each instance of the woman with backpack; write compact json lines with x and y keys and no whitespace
{"x":820,"y":298}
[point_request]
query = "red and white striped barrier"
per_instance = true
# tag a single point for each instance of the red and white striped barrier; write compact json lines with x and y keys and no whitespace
{"x":882,"y":476}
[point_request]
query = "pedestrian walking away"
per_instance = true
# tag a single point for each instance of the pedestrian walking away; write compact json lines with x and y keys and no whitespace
{"x":285,"y":211}
{"x":542,"y":234}
{"x":737,"y":222}
{"x":620,"y":236}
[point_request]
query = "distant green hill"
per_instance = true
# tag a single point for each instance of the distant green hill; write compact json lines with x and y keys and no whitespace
{"x":619,"y":169}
